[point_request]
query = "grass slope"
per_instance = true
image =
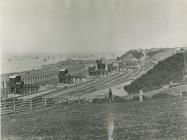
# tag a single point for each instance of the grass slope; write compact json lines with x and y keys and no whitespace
{"x":170,"y":69}
{"x":152,"y":119}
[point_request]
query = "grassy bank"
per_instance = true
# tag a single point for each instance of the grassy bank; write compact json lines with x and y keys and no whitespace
{"x":152,"y":119}
{"x":170,"y":69}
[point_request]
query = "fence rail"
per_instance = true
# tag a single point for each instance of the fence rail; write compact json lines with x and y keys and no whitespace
{"x":16,"y":106}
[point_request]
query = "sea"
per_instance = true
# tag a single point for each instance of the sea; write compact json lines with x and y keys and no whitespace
{"x":11,"y":63}
{"x":19,"y":62}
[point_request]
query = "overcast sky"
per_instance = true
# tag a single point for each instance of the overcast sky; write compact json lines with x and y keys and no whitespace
{"x":91,"y":25}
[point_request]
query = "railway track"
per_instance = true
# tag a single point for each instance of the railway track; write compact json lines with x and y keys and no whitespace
{"x":123,"y":78}
{"x":55,"y":91}
{"x":81,"y":87}
{"x":46,"y":92}
{"x":100,"y":85}
{"x":89,"y":86}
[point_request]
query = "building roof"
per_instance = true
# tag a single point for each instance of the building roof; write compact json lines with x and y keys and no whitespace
{"x":13,"y":76}
{"x":63,"y":70}
{"x":91,"y":65}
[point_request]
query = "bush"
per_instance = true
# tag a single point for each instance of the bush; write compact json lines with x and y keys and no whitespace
{"x":81,"y":101}
{"x":137,"y":98}
{"x":184,"y":93}
{"x":118,"y":99}
{"x":162,"y":95}
{"x":100,"y":101}
{"x":135,"y":53}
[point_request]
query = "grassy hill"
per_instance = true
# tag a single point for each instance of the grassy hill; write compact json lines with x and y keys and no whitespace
{"x":153,"y":119}
{"x":170,"y":69}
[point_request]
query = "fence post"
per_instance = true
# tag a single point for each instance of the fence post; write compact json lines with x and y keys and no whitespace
{"x":31,"y":104}
{"x":14,"y":106}
{"x":141,"y":96}
{"x":45,"y":102}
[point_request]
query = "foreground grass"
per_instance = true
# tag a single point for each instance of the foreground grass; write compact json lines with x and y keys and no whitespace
{"x":152,"y":119}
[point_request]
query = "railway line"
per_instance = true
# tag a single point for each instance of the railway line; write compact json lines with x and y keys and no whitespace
{"x":55,"y":91}
{"x":105,"y":83}
{"x":86,"y":87}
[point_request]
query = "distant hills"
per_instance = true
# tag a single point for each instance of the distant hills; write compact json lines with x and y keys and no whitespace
{"x":170,"y":69}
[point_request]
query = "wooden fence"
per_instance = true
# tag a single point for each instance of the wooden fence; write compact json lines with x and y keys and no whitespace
{"x":15,"y":106}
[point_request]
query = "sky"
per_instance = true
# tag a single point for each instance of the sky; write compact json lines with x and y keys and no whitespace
{"x":91,"y":25}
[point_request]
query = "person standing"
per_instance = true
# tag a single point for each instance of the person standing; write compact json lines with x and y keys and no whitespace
{"x":110,"y":95}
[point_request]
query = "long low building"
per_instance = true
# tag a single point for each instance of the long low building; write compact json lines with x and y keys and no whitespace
{"x":46,"y":75}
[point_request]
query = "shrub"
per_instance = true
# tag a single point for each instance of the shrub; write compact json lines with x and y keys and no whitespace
{"x":137,"y":98}
{"x":184,"y":93}
{"x":118,"y":99}
{"x":162,"y":95}
{"x":100,"y":101}
{"x":77,"y":101}
{"x":134,"y":53}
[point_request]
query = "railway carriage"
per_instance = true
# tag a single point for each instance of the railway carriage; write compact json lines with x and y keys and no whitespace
{"x":15,"y":84}
{"x":64,"y":76}
{"x":99,"y":70}
{"x":92,"y":70}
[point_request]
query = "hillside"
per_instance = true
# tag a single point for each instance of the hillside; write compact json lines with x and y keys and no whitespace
{"x":170,"y":69}
{"x":153,"y":119}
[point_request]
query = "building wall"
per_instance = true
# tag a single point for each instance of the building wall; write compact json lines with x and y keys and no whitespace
{"x":47,"y":75}
{"x":185,"y":65}
{"x":31,"y":78}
